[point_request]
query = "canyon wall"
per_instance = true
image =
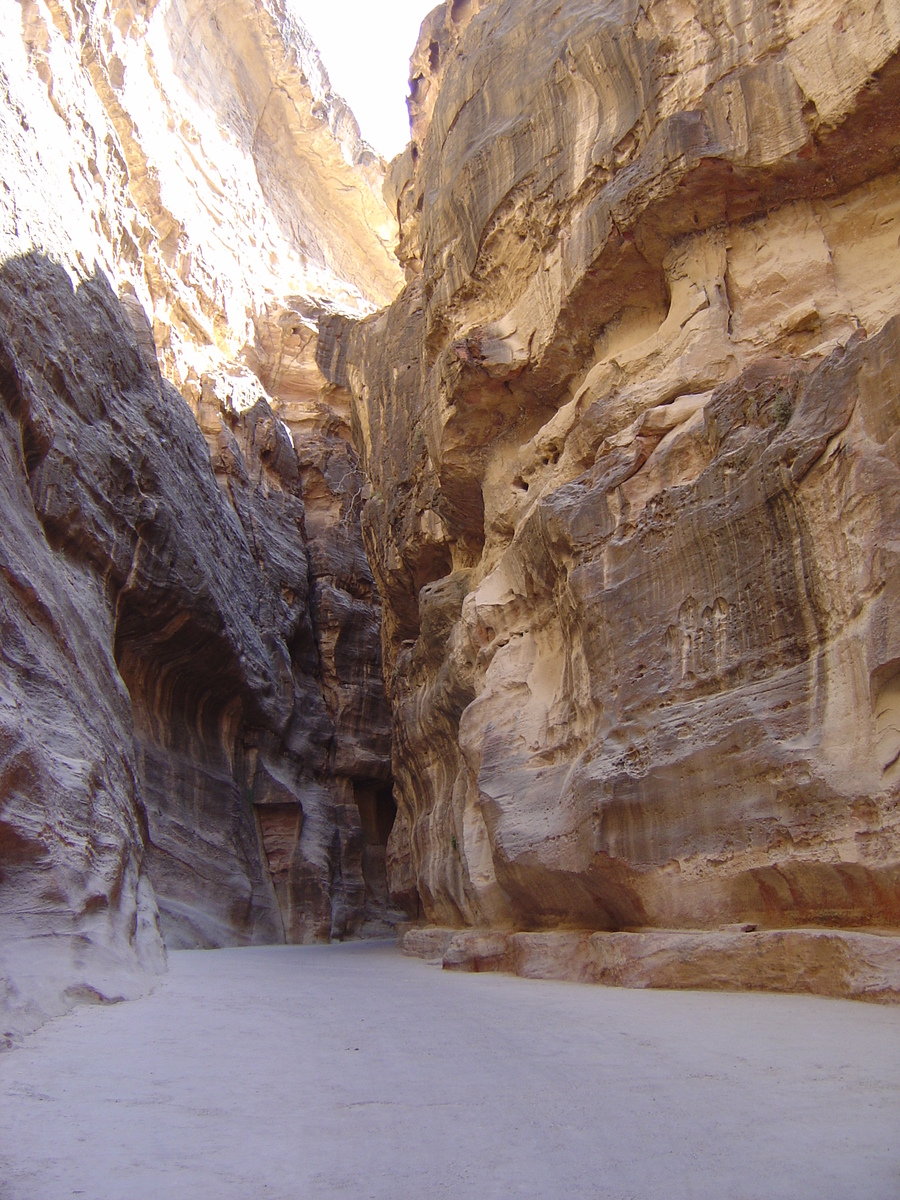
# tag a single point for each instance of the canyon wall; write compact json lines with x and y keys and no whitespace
{"x":610,"y":488}
{"x":194,"y":739}
{"x":630,"y":433}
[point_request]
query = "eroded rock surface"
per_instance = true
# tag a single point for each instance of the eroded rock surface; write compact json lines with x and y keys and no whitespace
{"x":820,"y":962}
{"x":627,"y":479}
{"x":631,"y":437}
{"x":196,"y":743}
{"x":77,"y":911}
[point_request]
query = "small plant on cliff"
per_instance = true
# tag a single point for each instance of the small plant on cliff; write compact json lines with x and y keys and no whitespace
{"x":782,"y":408}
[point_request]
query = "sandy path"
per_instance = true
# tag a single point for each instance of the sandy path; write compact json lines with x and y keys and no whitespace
{"x":299,"y":1073}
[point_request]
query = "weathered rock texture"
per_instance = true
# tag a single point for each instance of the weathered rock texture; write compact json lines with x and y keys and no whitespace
{"x":630,"y":491}
{"x":820,"y":962}
{"x":631,"y":432}
{"x":194,"y":740}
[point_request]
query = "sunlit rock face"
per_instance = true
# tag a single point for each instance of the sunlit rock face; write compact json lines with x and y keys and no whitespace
{"x":631,"y":432}
{"x":196,"y":152}
{"x":195,"y":743}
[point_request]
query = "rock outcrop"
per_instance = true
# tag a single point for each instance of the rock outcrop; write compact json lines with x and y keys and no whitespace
{"x":819,"y":962}
{"x":630,"y":432}
{"x":195,"y":743}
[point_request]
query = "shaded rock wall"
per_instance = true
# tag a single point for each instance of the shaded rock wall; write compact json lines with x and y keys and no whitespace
{"x":175,"y":735}
{"x":197,"y":743}
{"x":630,"y":432}
{"x":77,"y":911}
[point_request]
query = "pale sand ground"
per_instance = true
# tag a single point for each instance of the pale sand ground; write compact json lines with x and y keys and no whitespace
{"x":348,"y":1071}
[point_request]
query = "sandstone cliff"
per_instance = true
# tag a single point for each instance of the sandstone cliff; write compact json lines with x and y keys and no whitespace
{"x":630,"y":433}
{"x":627,"y":480}
{"x":195,"y":743}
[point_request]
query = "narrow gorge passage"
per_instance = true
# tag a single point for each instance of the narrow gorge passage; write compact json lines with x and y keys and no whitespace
{"x":276,"y":1073}
{"x":497,"y":546}
{"x":493,"y":551}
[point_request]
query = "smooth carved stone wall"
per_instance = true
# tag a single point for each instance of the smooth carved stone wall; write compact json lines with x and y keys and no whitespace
{"x":630,"y":433}
{"x":822,"y":962}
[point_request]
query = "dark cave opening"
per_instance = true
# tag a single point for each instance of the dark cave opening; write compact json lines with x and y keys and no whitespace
{"x":377,"y":812}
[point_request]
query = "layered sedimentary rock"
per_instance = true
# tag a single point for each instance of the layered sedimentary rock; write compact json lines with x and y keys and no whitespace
{"x":198,"y":154}
{"x":631,"y":437}
{"x":627,"y":478}
{"x":852,"y":965}
{"x":195,"y":742}
{"x":77,"y":912}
